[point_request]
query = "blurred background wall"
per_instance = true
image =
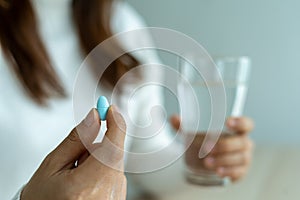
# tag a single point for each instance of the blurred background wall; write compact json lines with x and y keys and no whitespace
{"x":268,"y":31}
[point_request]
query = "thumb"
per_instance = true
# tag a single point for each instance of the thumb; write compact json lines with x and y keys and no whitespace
{"x":72,"y":146}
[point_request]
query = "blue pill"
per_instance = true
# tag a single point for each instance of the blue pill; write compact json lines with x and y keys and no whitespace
{"x":102,"y":107}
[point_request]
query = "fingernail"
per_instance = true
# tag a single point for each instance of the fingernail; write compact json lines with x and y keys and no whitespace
{"x":232,"y":123}
{"x":89,"y":119}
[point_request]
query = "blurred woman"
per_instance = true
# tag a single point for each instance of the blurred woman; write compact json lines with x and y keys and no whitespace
{"x":43,"y":43}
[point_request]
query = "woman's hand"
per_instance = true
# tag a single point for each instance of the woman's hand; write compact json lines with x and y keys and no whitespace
{"x":59,"y":178}
{"x":232,"y":154}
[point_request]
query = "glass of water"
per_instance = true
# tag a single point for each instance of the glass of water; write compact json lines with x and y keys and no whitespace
{"x":233,"y":76}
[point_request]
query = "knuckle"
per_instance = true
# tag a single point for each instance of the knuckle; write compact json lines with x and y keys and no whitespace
{"x":251,"y":144}
{"x":73,"y":137}
{"x":248,"y":144}
{"x":245,"y":158}
{"x":224,"y":146}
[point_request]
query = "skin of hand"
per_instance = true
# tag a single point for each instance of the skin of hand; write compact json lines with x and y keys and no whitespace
{"x":59,"y":178}
{"x":232,"y":155}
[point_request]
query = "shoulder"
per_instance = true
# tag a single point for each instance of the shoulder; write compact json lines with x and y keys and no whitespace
{"x":125,"y":17}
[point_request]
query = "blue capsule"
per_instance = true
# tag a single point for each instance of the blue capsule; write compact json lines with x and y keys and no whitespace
{"x":102,"y":107}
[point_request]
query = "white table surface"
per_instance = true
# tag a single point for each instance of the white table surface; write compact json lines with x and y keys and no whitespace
{"x":274,"y":175}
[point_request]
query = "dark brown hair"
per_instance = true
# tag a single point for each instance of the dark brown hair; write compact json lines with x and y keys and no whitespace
{"x":21,"y":43}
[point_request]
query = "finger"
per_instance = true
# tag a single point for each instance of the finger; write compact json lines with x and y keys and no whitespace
{"x":240,"y":125}
{"x":86,"y":154}
{"x":124,"y":189}
{"x":110,"y":153}
{"x":242,"y":158}
{"x":232,"y":143}
{"x":175,"y":122}
{"x":72,"y":147}
{"x":116,"y":127}
{"x":119,"y":187}
{"x":235,"y":173}
{"x":82,"y":158}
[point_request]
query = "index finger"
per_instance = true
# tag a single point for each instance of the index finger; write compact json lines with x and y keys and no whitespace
{"x":116,"y":127}
{"x":232,"y":143}
{"x":240,"y":125}
{"x":110,"y":152}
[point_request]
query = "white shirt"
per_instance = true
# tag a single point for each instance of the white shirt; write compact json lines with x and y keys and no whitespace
{"x":28,"y":131}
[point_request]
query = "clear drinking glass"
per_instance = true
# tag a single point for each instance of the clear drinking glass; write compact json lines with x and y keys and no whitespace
{"x":234,"y":72}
